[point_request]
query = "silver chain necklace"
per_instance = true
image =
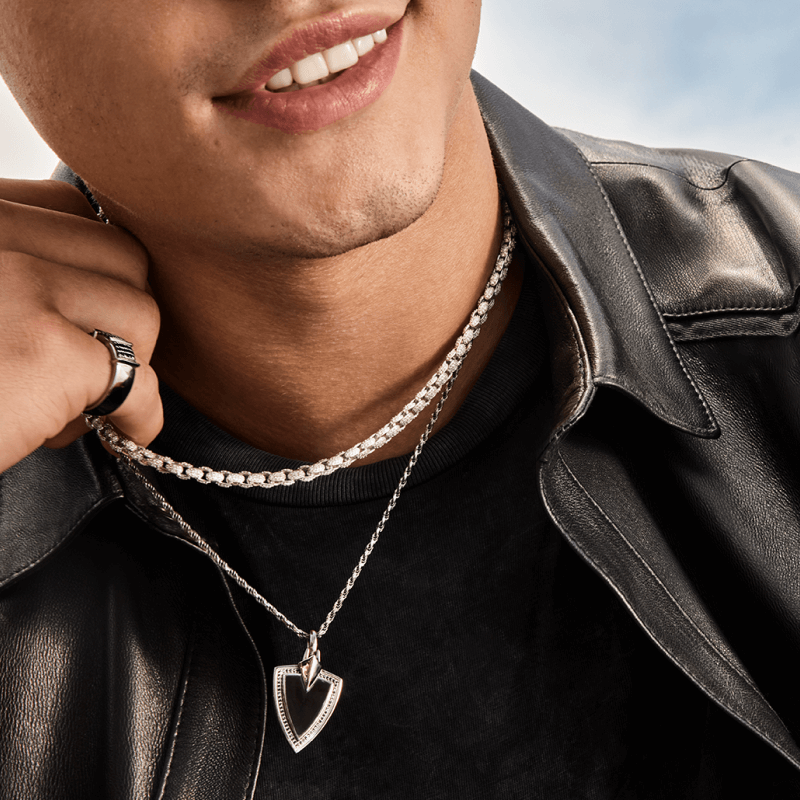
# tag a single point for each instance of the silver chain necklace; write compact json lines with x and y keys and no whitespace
{"x":326,"y":466}
{"x":305,"y":694}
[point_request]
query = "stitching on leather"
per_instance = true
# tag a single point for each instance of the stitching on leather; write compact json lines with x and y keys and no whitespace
{"x":644,"y":563}
{"x":710,"y":310}
{"x":186,"y":672}
{"x":726,"y":173}
{"x":709,"y":416}
{"x":252,"y":776}
{"x":756,"y":728}
{"x":574,"y":333}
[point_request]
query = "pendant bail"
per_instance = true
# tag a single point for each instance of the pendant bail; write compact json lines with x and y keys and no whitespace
{"x":310,"y":667}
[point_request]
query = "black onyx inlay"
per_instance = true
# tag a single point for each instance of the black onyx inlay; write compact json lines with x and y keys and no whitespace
{"x":303,"y":707}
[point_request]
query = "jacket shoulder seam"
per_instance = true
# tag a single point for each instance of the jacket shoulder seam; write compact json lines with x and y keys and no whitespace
{"x":682,"y":176}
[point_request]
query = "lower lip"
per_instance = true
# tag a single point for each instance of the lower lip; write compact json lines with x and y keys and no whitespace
{"x":314,"y":108}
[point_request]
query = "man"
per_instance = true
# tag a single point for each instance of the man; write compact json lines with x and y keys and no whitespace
{"x":295,"y":247}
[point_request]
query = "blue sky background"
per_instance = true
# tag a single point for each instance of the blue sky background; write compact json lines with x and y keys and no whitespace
{"x":713,"y":74}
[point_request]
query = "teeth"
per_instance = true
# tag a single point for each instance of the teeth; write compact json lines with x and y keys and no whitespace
{"x":364,"y":44}
{"x":313,"y":69}
{"x":310,"y":69}
{"x":341,"y":57}
{"x":281,"y":81}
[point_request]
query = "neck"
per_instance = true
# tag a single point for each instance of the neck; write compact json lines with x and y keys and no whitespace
{"x":305,"y":359}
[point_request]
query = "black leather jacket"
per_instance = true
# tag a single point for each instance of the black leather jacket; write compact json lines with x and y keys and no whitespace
{"x":672,"y":280}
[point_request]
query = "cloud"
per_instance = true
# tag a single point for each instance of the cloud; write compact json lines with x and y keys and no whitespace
{"x":712,"y":74}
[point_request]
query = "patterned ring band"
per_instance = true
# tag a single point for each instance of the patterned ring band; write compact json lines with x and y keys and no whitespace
{"x":123,"y":363}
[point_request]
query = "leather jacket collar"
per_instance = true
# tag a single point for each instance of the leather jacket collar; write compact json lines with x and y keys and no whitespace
{"x":566,"y":219}
{"x":567,"y":224}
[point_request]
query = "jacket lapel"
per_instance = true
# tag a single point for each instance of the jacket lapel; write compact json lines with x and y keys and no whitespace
{"x":607,"y":331}
{"x":595,"y":502}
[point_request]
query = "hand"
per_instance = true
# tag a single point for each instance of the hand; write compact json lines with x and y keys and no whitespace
{"x":64,"y":273}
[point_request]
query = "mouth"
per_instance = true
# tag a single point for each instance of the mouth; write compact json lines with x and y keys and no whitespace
{"x":323,"y":67}
{"x":319,"y":74}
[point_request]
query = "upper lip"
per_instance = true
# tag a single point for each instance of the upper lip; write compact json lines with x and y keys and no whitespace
{"x":312,"y":38}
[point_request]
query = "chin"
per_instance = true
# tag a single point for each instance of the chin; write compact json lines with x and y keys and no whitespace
{"x":337,"y":228}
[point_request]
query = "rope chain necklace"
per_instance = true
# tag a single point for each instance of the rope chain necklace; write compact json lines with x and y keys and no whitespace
{"x":306,"y":695}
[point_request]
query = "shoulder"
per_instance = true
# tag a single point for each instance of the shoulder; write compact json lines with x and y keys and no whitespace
{"x":714,"y":234}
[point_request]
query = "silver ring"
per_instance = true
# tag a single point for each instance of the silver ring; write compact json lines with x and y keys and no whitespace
{"x":123,"y":363}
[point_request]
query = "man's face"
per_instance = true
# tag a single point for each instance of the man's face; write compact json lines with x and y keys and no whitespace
{"x":130,"y":94}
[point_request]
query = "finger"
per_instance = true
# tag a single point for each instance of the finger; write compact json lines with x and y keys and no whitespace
{"x":64,"y":238}
{"x":74,"y":430}
{"x":54,"y":195}
{"x":140,"y":418}
{"x":86,"y":299}
{"x":53,"y":371}
{"x":109,"y":305}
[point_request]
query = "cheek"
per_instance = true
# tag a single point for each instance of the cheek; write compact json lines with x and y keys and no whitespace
{"x":447,"y":34}
{"x":33,"y":55}
{"x":57,"y":59}
{"x":100,"y":78}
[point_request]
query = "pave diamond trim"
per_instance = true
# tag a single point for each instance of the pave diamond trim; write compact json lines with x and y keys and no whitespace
{"x":279,"y":693}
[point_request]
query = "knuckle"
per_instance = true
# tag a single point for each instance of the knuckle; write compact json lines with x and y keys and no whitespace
{"x":27,"y":283}
{"x":44,"y":338}
{"x":149,"y":384}
{"x":37,"y":353}
{"x":147,"y":317}
{"x":10,"y":269}
{"x":26,"y":293}
{"x":134,"y":252}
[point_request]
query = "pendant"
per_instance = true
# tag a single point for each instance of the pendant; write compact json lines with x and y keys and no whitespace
{"x":305,"y":696}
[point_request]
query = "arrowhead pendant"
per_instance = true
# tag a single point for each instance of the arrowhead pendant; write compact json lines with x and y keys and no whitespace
{"x":305,"y":696}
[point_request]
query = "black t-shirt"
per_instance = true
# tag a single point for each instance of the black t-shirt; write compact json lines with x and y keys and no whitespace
{"x":481,"y":657}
